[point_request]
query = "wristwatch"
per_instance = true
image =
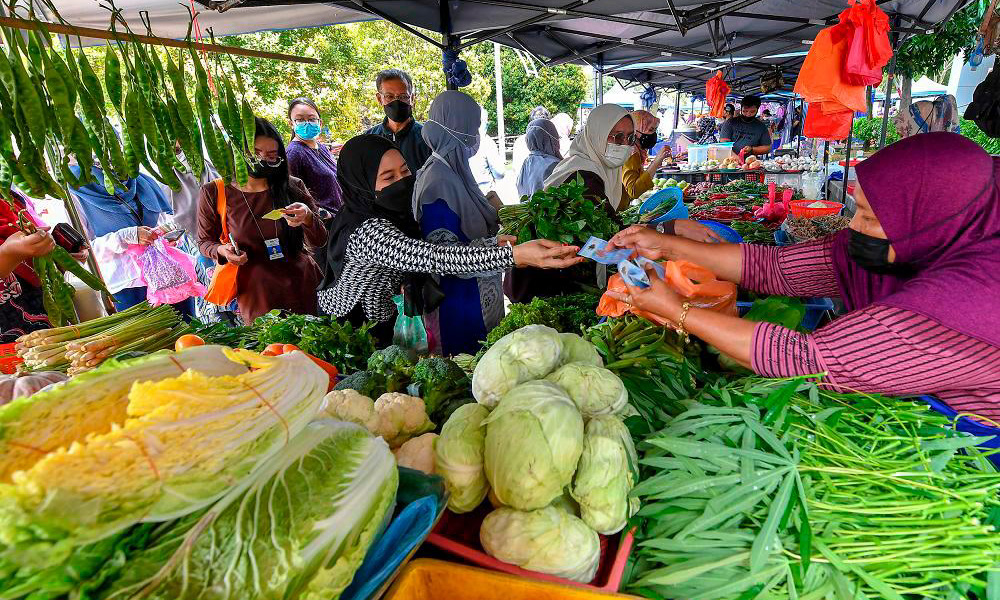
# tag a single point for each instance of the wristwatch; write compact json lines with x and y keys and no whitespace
{"x":660,"y":228}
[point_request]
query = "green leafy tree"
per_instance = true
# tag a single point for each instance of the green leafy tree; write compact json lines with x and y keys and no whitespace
{"x":931,"y":54}
{"x":559,"y":89}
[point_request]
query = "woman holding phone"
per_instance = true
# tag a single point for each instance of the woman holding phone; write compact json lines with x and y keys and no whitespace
{"x":270,"y":227}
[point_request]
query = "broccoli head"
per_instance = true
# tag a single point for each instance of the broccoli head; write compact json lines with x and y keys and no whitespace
{"x":365,"y":383}
{"x":394,"y":364}
{"x":437,"y":380}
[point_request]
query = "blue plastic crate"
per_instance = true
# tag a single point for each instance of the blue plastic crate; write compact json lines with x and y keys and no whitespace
{"x":967,"y":425}
{"x":815,"y":309}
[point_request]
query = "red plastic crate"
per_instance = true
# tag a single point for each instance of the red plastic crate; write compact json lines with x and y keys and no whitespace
{"x":754,"y":177}
{"x":459,"y":535}
{"x":9,"y":360}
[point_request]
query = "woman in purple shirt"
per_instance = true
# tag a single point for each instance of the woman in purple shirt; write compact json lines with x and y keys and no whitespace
{"x":310,"y":160}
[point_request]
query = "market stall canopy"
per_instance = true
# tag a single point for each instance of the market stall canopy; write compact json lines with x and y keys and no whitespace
{"x":676,"y":44}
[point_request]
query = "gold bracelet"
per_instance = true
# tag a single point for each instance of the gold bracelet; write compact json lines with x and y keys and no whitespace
{"x":680,"y":322}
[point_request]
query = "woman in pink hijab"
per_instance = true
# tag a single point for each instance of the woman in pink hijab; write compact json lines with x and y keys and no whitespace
{"x":918,"y":269}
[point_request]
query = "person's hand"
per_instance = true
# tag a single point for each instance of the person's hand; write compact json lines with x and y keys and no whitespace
{"x":147,"y":235}
{"x":644,"y":240}
{"x":21,"y":246}
{"x":229,"y":253}
{"x":298,"y":214}
{"x":659,"y":298}
{"x":693,"y":230}
{"x":661,"y":156}
{"x":546,"y":254}
{"x":506,"y":240}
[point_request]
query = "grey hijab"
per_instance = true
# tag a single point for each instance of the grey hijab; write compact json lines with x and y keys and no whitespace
{"x":452,"y":133}
{"x":542,"y":138}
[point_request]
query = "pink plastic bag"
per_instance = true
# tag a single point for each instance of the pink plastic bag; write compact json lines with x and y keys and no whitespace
{"x":167,"y":272}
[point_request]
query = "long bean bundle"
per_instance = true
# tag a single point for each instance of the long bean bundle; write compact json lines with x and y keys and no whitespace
{"x":776,"y":489}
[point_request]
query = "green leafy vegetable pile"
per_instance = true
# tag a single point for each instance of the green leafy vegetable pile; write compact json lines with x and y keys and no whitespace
{"x":570,"y":314}
{"x":561,"y":213}
{"x":338,"y":343}
{"x":777,"y":489}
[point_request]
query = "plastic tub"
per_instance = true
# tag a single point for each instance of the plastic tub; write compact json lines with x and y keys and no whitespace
{"x":671,"y":194}
{"x":697,"y":153}
{"x":815,"y":309}
{"x":722,"y":150}
{"x":429,"y":579}
{"x":801,"y":208}
{"x":459,"y":535}
{"x":968,"y":425}
{"x":728,"y":233}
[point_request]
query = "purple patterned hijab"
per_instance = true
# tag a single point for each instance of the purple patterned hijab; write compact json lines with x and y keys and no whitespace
{"x":937,"y":196}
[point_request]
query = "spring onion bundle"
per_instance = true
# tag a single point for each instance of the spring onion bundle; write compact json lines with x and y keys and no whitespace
{"x":78,"y":348}
{"x":776,"y":489}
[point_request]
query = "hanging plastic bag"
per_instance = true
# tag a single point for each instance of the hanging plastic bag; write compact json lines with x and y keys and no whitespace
{"x":821,"y":78}
{"x":716,"y":90}
{"x":698,"y":285}
{"x":827,"y":121}
{"x":409,"y":332}
{"x":869,"y":48}
{"x":167,"y":273}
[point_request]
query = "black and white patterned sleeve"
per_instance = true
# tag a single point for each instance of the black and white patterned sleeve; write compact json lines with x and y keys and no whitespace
{"x":379,"y":242}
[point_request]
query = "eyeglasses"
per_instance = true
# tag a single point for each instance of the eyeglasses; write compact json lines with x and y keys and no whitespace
{"x":270,"y":161}
{"x":303,"y":121}
{"x":623,"y":139}
{"x":393,"y":97}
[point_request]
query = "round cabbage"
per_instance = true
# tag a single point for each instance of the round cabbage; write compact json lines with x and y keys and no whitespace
{"x":529,"y":353}
{"x":606,"y":475}
{"x":595,"y":390}
{"x":534,"y":438}
{"x":459,"y":452}
{"x":548,"y":540}
{"x":578,"y":350}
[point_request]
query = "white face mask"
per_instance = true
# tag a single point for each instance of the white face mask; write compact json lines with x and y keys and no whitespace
{"x":617,"y":154}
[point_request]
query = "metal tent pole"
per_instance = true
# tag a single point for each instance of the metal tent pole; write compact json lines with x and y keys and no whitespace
{"x":802,"y":125}
{"x":498,"y":77}
{"x":599,"y":83}
{"x":847,"y":162}
{"x":677,"y":108}
{"x":888,"y":84}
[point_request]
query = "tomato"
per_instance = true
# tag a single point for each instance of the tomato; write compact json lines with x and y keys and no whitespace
{"x":286,"y":348}
{"x":188,"y":341}
{"x":273,"y":350}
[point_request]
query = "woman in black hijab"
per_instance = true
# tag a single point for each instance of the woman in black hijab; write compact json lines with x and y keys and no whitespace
{"x":375,"y":247}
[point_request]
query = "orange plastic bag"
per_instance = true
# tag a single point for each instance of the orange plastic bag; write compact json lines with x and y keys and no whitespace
{"x":696,"y":283}
{"x":716,"y":90}
{"x":827,"y":121}
{"x":822,"y":79}
{"x":222,"y":289}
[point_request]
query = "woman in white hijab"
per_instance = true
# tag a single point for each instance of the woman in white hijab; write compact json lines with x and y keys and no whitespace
{"x":452,"y":210}
{"x":543,"y":156}
{"x":564,"y":125}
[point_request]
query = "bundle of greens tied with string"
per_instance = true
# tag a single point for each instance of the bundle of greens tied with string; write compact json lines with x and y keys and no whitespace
{"x":561,"y":213}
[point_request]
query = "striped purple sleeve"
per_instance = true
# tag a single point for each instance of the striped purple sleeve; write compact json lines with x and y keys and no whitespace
{"x":889,"y":351}
{"x":800,"y":270}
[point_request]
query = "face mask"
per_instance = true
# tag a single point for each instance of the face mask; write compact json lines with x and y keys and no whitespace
{"x":307,"y":131}
{"x":617,"y":154}
{"x":398,"y":111}
{"x":872,"y":254}
{"x":647,"y":140}
{"x":397,"y":196}
{"x":262,"y":170}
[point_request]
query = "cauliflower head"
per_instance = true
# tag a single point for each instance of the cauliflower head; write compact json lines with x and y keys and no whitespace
{"x":400,"y":417}
{"x":417,"y":453}
{"x":351,"y":406}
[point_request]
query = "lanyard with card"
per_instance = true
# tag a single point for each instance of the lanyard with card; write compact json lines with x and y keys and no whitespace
{"x":272,"y":245}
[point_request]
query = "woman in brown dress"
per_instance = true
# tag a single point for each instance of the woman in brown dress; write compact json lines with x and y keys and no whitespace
{"x":275,"y":257}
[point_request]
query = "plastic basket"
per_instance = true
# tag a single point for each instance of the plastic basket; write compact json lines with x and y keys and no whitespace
{"x":429,"y":579}
{"x":754,"y":177}
{"x":815,"y":309}
{"x":9,"y":360}
{"x":664,"y":196}
{"x":800,"y":208}
{"x":716,"y":177}
{"x":728,"y":233}
{"x":968,"y":425}
{"x":459,"y":535}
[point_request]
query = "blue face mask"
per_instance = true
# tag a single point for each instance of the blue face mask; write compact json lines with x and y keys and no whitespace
{"x":307,"y":131}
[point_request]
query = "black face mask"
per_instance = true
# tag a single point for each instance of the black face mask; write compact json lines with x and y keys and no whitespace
{"x":744,"y":119}
{"x":398,"y":111}
{"x":872,"y":255}
{"x":262,"y":170}
{"x":647,"y":140}
{"x":397,"y":197}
